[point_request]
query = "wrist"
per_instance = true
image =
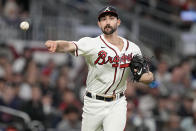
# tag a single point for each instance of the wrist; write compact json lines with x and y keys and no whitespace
{"x":154,"y":84}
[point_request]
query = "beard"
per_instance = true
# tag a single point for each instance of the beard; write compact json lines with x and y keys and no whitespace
{"x":108,"y":30}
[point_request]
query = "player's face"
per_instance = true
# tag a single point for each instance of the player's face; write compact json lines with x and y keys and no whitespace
{"x":108,"y":24}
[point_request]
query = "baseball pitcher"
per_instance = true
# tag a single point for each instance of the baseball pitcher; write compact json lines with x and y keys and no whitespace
{"x":110,"y":59}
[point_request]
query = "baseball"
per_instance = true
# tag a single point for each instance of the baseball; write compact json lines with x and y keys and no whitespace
{"x":24,"y":25}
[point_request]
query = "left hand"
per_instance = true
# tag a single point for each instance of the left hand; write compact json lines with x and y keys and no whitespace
{"x":147,"y":78}
{"x":139,"y":66}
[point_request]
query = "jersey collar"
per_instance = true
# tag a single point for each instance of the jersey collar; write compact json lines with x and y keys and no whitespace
{"x":113,"y":46}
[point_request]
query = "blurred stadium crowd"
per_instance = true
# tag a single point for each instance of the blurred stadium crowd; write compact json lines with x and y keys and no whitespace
{"x":51,"y":94}
{"x":170,"y":10}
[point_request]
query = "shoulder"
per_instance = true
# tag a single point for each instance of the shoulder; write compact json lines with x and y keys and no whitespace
{"x":85,"y":39}
{"x":88,"y":39}
{"x":133,"y":47}
{"x":132,"y":44}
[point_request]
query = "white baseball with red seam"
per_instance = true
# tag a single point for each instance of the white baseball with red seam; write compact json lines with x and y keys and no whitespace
{"x":24,"y":25}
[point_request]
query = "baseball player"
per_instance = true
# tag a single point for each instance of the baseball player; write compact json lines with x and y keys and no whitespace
{"x":108,"y":57}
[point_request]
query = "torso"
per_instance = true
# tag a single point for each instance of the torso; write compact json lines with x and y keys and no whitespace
{"x":108,"y":65}
{"x":119,"y":43}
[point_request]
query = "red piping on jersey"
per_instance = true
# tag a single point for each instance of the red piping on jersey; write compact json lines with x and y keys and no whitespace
{"x":127,"y":45}
{"x":108,"y":45}
{"x":122,"y":66}
{"x":76,"y":49}
{"x":113,"y":81}
{"x":119,"y":82}
{"x":115,"y":67}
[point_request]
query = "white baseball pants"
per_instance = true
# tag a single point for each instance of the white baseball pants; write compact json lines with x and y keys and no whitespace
{"x":101,"y":115}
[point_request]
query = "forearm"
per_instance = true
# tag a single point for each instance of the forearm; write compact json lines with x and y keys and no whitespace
{"x":147,"y":78}
{"x":65,"y":46}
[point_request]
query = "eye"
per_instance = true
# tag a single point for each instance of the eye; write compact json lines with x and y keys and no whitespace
{"x":103,"y":19}
{"x":112,"y":18}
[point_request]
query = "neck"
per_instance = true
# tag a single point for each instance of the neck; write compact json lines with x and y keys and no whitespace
{"x":112,"y":38}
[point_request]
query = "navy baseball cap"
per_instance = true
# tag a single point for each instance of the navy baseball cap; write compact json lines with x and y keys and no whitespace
{"x":107,"y":10}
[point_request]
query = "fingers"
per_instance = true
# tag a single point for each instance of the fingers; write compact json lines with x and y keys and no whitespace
{"x":135,"y":70}
{"x":51,"y":45}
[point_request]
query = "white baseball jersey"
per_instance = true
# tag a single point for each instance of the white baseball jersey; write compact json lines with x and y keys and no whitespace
{"x":107,"y":65}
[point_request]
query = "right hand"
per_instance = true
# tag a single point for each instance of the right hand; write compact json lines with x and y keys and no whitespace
{"x":51,"y":45}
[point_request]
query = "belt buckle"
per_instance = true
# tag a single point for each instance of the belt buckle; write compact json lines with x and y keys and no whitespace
{"x":114,"y":97}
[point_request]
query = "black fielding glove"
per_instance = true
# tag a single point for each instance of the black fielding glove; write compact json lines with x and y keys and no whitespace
{"x":139,"y":65}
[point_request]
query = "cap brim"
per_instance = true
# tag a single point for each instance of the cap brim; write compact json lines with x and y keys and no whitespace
{"x":107,"y":12}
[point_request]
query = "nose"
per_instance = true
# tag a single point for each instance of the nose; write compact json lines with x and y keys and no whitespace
{"x":107,"y":21}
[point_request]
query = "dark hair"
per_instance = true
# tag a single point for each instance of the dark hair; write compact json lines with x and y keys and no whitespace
{"x":107,"y":13}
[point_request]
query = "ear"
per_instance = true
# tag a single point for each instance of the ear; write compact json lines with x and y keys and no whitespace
{"x":118,"y":22}
{"x":98,"y":23}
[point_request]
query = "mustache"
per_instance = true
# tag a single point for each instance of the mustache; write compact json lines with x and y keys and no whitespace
{"x":107,"y":26}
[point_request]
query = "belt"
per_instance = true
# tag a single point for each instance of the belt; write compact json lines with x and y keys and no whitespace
{"x":105,"y":98}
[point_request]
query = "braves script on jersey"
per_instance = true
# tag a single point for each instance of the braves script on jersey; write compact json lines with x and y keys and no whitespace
{"x":107,"y":65}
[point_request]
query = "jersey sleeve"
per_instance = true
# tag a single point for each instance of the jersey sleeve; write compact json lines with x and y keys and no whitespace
{"x":137,"y":51}
{"x":84,"y":46}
